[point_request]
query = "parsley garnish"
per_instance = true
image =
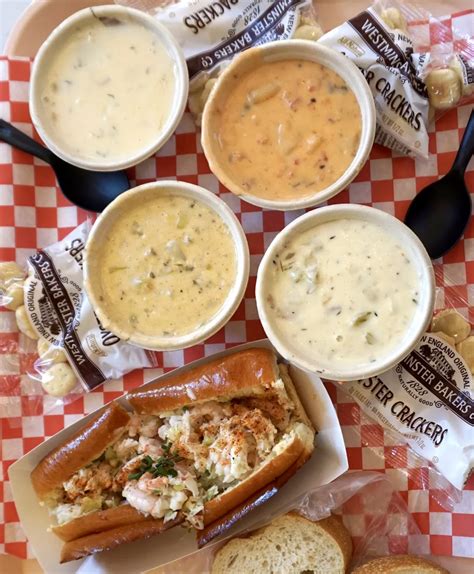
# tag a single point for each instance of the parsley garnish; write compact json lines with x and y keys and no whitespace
{"x":164,"y":466}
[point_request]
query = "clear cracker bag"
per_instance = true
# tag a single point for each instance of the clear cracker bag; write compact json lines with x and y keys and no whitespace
{"x":427,"y":400}
{"x":74,"y":353}
{"x":409,"y":85}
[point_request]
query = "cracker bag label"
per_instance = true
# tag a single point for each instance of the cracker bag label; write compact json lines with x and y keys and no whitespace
{"x":60,"y":312}
{"x":211,"y":33}
{"x":252,"y":26}
{"x":384,"y":56}
{"x":428,"y":398}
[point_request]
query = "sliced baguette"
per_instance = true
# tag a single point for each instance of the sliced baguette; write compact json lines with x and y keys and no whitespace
{"x":400,"y":564}
{"x":291,"y":544}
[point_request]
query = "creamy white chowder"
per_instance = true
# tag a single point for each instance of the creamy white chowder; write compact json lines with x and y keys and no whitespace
{"x":344,"y":292}
{"x":107,"y":90}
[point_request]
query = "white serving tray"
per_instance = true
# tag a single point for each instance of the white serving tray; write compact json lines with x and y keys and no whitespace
{"x":329,"y":460}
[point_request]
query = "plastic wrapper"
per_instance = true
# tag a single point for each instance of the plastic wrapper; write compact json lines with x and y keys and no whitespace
{"x":377,"y":528}
{"x":211,"y":34}
{"x":447,"y":68}
{"x":427,"y":400}
{"x":411,"y":76}
{"x":62,"y":349}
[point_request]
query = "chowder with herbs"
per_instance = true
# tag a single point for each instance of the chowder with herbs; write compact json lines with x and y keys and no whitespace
{"x":344,"y":292}
{"x":107,"y":90}
{"x":166,"y":267}
{"x":287,"y":129}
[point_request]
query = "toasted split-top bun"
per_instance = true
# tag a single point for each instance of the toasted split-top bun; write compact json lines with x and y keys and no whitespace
{"x":84,"y":446}
{"x":300,"y":413}
{"x":400,"y":564}
{"x":99,"y":521}
{"x":291,"y":544}
{"x":244,"y":374}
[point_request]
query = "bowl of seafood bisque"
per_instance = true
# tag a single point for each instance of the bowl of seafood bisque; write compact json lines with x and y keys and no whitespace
{"x":288,"y":125}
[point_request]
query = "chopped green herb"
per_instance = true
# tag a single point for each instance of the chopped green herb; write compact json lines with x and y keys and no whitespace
{"x":164,"y":466}
{"x":361,"y":318}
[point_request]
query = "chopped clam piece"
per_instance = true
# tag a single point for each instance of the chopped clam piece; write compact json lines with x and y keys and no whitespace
{"x":370,"y":338}
{"x":312,"y":274}
{"x":312,"y":142}
{"x":296,"y":275}
{"x":173,"y":248}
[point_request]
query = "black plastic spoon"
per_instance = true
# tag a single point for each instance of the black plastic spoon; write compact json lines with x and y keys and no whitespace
{"x":91,"y":190}
{"x":440,"y":212}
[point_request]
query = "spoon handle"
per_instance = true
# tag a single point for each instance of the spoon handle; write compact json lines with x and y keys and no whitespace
{"x":466,"y":149}
{"x":20,"y":140}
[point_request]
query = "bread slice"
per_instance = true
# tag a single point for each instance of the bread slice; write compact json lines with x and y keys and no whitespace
{"x":400,"y":564}
{"x":291,"y":544}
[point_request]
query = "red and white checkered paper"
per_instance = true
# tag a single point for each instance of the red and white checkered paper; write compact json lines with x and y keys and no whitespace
{"x":34,"y":214}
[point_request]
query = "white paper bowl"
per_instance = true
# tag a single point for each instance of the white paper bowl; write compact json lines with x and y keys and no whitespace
{"x":421,"y":318}
{"x":138,"y":195}
{"x":53,"y":44}
{"x":284,"y":50}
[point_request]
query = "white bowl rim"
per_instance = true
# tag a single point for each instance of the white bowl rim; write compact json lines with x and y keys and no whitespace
{"x":179,"y":100}
{"x":365,"y":213}
{"x":281,"y":50}
{"x":236,"y":293}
